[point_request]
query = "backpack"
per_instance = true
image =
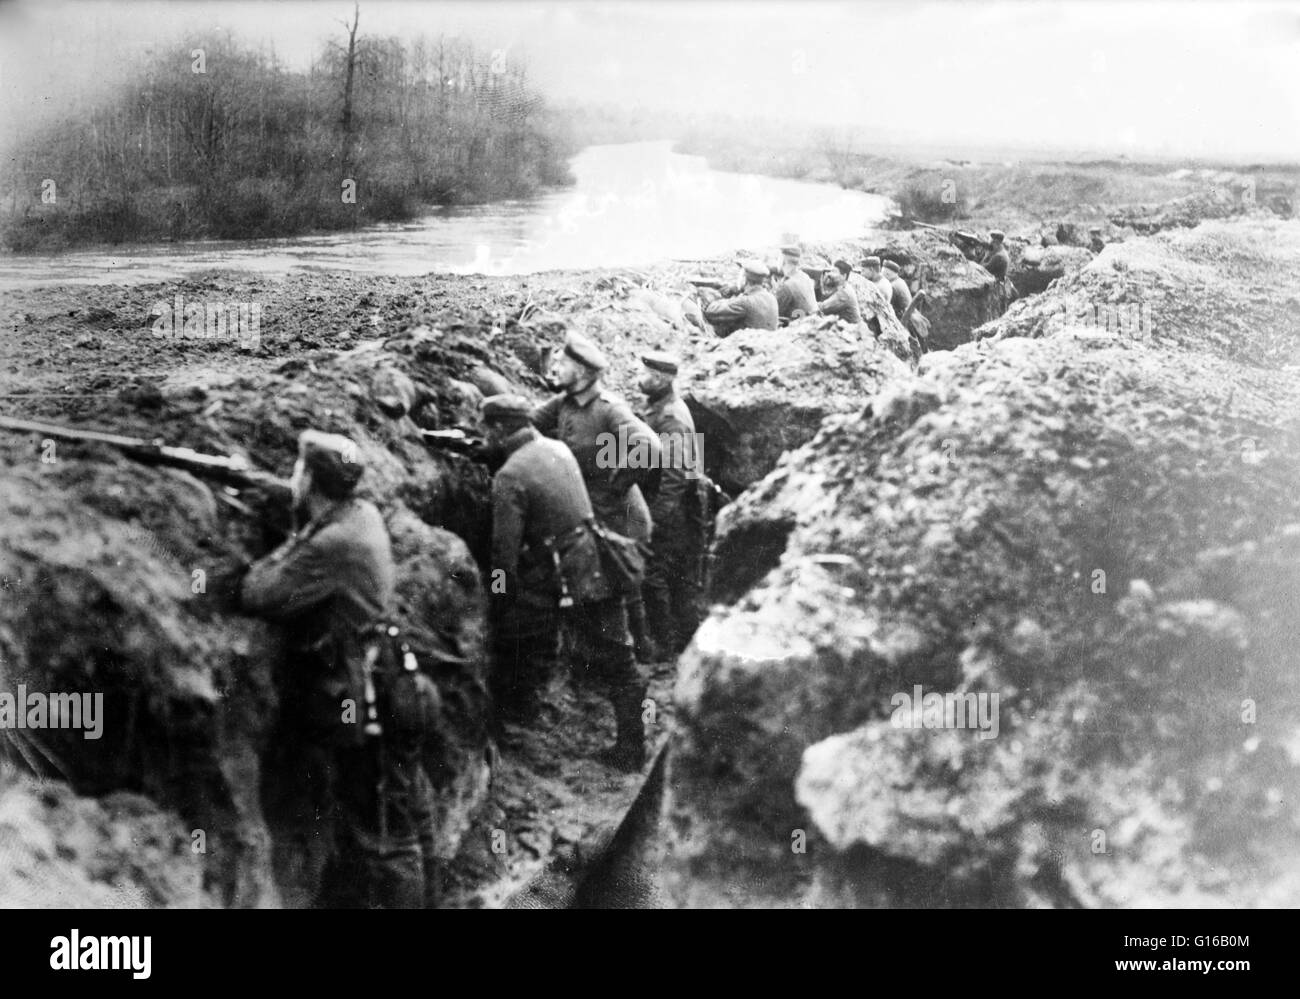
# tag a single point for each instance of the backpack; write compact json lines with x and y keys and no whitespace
{"x":372,"y":690}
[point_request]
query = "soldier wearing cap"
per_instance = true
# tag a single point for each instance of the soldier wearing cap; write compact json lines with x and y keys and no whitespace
{"x":872,"y":271}
{"x":1095,"y":242}
{"x":840,"y":300}
{"x":537,"y":496}
{"x":996,"y":262}
{"x":900,"y":294}
{"x":754,"y":308}
{"x":795,"y":294}
{"x":330,"y":584}
{"x":596,"y":425}
{"x":677,"y":508}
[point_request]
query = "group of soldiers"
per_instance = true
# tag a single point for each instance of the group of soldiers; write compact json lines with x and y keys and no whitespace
{"x":856,"y":295}
{"x":360,"y":735}
{"x":548,"y":499}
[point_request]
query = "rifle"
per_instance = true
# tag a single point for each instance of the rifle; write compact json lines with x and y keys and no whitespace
{"x":717,"y":284}
{"x":232,"y":470}
{"x":457,"y":442}
{"x":954,"y":235}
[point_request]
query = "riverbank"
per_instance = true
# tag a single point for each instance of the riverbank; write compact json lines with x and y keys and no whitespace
{"x":1021,"y":195}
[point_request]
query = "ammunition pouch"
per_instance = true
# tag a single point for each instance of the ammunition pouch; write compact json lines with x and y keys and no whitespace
{"x":592,"y":563}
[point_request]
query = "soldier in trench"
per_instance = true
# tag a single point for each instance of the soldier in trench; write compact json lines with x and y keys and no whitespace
{"x":750,"y":307}
{"x":585,"y":416}
{"x":840,"y":300}
{"x":795,"y":294}
{"x":545,"y":552}
{"x":672,"y":579}
{"x":331,"y":584}
{"x":997,"y":261}
{"x":589,"y":420}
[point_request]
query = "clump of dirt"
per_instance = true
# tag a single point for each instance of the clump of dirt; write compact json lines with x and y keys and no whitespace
{"x":1217,"y":202}
{"x":1098,"y":534}
{"x":760,"y":393}
{"x":1227,"y":288}
{"x":1033,"y":268}
{"x":118,"y":852}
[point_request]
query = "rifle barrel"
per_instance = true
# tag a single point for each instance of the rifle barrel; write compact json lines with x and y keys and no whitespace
{"x":233,"y":470}
{"x":71,"y":433}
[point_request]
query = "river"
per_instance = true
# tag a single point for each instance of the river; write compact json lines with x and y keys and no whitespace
{"x":632,"y":204}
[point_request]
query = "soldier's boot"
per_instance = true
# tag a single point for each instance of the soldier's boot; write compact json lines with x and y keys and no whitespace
{"x":628,"y":752}
{"x":646,"y":650}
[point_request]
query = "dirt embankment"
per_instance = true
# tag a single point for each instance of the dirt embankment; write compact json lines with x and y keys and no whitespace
{"x":1093,"y":542}
{"x":1227,"y":288}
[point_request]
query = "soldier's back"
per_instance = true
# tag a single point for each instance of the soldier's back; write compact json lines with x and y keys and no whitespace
{"x":548,"y":471}
{"x":762,"y":310}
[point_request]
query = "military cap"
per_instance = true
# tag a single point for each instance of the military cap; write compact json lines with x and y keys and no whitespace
{"x":658,"y":360}
{"x":1095,"y":228}
{"x":871,"y":261}
{"x":506,"y":406}
{"x":334,"y":461}
{"x":791,"y":251}
{"x":587,"y":353}
{"x":890,"y":265}
{"x":996,"y":234}
{"x":755,"y":268}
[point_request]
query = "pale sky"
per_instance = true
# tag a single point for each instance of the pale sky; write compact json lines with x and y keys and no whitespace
{"x":1207,"y":79}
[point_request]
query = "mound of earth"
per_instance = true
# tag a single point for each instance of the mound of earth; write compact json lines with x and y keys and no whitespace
{"x":1036,"y":267}
{"x":760,"y":393}
{"x":960,"y":293}
{"x":1095,"y":544}
{"x":58,"y":850}
{"x":1218,"y":202}
{"x":1228,"y":288}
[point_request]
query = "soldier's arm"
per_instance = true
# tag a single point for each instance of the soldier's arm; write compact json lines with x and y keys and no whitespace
{"x":509,"y":509}
{"x":296,"y":576}
{"x":641,"y":441}
{"x":546,"y":417}
{"x":834,"y":305}
{"x":724,"y":309}
{"x":678,"y":456}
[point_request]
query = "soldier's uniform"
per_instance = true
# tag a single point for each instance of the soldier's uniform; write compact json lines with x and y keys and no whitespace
{"x":900,"y":294}
{"x":598,"y":426}
{"x":331,"y":583}
{"x":749,"y":310}
{"x":842,"y":303}
{"x":795,"y":293}
{"x":672,"y":578}
{"x":997,"y":261}
{"x":1095,"y":242}
{"x":537,"y":495}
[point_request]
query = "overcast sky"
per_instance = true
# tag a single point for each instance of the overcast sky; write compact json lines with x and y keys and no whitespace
{"x":1209,"y":79}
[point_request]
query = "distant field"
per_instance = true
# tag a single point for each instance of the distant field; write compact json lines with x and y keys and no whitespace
{"x":1003,"y":191}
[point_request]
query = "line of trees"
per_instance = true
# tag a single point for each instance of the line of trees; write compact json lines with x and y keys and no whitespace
{"x":215,"y":139}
